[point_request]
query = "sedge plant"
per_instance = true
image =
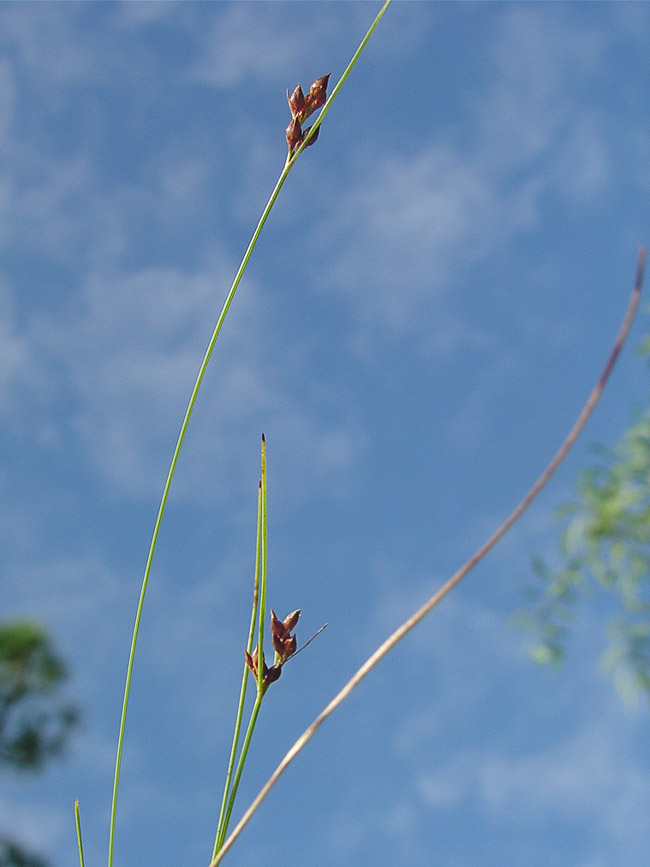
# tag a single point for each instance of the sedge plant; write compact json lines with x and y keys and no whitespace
{"x":284,"y":647}
{"x":301,"y":106}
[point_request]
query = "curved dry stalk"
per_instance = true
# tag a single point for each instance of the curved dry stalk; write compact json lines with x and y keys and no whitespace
{"x":421,"y":613}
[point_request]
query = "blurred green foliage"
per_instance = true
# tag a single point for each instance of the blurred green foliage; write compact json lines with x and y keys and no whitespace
{"x":604,"y":546}
{"x":13,"y":855}
{"x":34,"y":723}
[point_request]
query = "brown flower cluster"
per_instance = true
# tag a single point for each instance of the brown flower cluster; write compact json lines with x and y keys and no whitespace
{"x":284,"y":644}
{"x":301,"y":108}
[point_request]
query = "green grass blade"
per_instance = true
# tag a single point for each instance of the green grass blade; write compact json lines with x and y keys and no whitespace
{"x":262,"y":611}
{"x":77,"y":819}
{"x":221,"y":829}
{"x":240,"y":768}
{"x":163,"y":501}
{"x":199,"y":379}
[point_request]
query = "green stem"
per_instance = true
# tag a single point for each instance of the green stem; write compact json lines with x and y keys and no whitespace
{"x":262,"y":611}
{"x":199,"y":379}
{"x":221,"y":831}
{"x":240,"y":768}
{"x":77,"y":819}
{"x":163,"y":501}
{"x":260,"y":568}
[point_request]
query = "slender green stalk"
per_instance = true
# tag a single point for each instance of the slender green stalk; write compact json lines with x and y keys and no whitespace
{"x":242,"y":693}
{"x":262,"y":611}
{"x":224,"y":818}
{"x":240,"y":768}
{"x":181,"y":436}
{"x":163,"y":501}
{"x":77,"y":819}
{"x":170,"y":476}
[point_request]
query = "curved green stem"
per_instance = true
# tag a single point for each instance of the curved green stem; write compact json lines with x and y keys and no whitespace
{"x":163,"y":501}
{"x":199,"y":379}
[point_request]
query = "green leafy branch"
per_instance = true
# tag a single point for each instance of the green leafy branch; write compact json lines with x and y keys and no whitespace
{"x":605,"y":544}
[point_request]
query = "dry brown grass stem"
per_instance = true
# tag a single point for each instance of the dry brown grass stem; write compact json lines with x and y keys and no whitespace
{"x":458,"y":576}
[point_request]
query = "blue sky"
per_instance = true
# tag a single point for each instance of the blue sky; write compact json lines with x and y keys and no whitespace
{"x":431,"y":301}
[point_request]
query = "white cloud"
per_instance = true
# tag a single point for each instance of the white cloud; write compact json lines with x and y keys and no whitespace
{"x":586,"y":775}
{"x":410,"y":228}
{"x":246,"y":42}
{"x":119,"y":345}
{"x":261,"y":43}
{"x":590,"y":777}
{"x":540,"y":63}
{"x":53,"y":208}
{"x":49,"y":46}
{"x":138,"y":16}
{"x":124,"y":362}
{"x":407,"y":230}
{"x":585,"y":170}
